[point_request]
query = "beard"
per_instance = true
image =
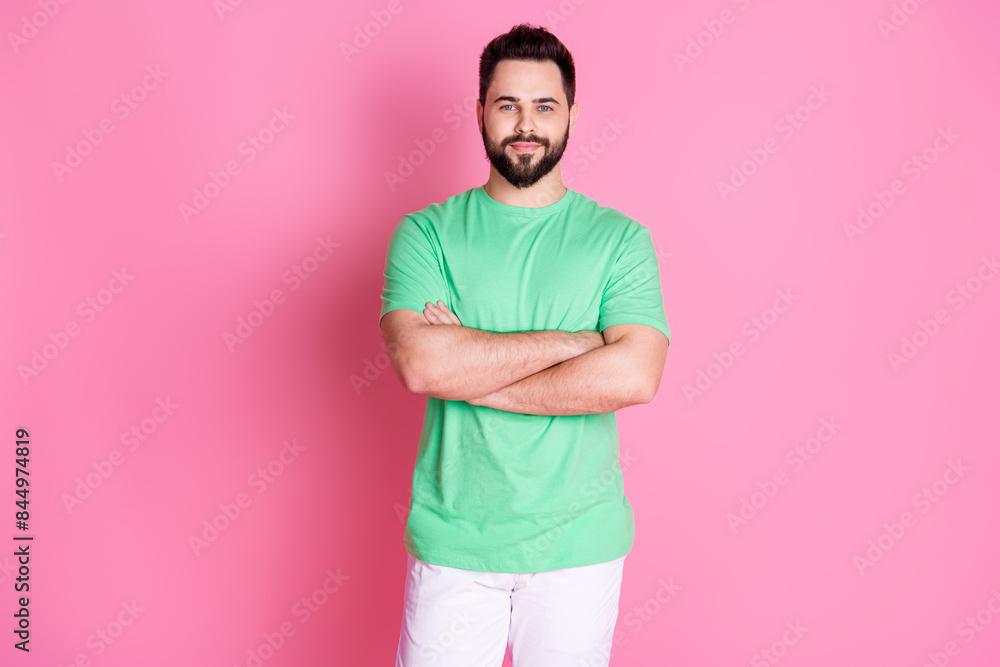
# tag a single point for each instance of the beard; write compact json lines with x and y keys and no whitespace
{"x":525,"y":170}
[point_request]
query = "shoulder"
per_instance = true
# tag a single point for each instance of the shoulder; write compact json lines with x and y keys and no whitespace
{"x":430,"y":221}
{"x":441,"y":210}
{"x":607,"y":216}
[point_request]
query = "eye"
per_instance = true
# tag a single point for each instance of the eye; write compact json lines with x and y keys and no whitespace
{"x":544,"y":106}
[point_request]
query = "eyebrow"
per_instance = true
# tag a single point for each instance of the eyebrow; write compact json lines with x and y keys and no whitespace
{"x":539,"y":100}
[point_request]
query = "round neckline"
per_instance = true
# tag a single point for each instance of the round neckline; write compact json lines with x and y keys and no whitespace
{"x":521,"y":211}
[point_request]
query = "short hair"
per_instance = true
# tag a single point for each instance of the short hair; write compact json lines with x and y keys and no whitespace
{"x":527,"y":42}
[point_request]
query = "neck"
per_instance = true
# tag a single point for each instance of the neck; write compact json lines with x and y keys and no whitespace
{"x":545,"y":192}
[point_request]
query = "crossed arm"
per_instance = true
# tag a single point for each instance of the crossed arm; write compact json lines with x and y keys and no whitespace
{"x":540,"y":373}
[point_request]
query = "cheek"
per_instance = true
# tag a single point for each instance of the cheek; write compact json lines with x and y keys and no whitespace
{"x":498,"y":132}
{"x":498,"y":127}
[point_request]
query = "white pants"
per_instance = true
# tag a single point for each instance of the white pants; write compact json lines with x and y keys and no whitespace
{"x":454,"y":617}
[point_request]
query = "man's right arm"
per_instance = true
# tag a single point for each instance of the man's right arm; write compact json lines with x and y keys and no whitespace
{"x":456,"y":363}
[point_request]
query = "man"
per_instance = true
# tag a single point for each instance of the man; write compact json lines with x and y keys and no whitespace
{"x":527,"y":314}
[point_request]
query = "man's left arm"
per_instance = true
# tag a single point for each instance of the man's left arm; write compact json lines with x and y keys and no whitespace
{"x":625,"y":371}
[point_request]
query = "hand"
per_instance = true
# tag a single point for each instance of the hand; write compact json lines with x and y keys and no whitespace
{"x":440,"y":314}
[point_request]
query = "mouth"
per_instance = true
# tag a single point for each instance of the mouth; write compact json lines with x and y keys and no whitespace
{"x":521,"y":147}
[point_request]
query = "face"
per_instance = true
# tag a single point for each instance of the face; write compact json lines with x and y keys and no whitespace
{"x":526,"y":104}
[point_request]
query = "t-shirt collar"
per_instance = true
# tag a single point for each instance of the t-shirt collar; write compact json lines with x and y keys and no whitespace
{"x":524,"y":211}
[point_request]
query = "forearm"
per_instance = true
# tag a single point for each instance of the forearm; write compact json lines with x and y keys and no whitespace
{"x":603,"y":380}
{"x":459,"y":363}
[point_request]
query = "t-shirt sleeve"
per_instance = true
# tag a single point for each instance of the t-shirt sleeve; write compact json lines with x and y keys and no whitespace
{"x":633,"y":294}
{"x":412,"y":274}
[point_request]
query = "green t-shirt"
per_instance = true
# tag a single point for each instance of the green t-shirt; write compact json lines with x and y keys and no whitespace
{"x":502,"y":491}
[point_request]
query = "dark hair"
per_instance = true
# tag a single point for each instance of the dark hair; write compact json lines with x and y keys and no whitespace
{"x":527,"y":42}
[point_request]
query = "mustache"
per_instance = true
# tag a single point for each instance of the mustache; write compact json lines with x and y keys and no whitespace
{"x":526,"y":140}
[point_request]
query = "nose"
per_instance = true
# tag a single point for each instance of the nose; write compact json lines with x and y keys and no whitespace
{"x":525,"y":125}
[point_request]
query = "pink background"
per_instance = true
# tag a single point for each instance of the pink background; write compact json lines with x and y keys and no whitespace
{"x":659,"y":135}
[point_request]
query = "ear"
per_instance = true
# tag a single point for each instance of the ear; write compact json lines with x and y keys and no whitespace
{"x":574,"y":111}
